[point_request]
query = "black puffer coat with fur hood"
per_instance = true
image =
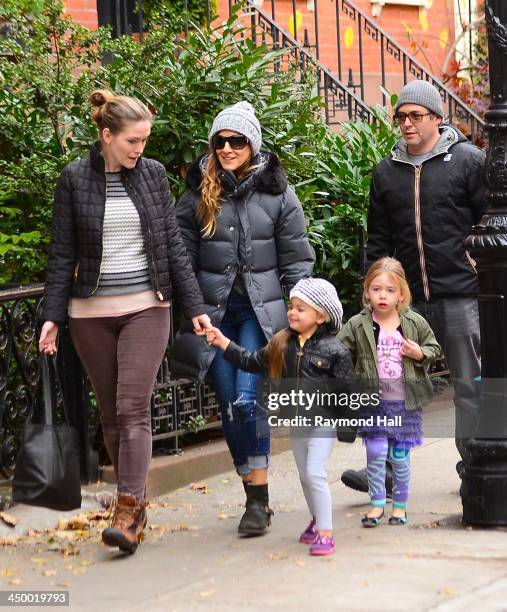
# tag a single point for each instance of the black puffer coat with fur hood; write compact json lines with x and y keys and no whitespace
{"x":260,"y":234}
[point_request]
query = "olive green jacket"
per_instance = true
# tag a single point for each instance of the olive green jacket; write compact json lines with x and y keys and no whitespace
{"x":357,"y":335}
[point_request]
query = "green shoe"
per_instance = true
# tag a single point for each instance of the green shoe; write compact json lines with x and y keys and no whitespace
{"x":398,"y":520}
{"x":371,"y":521}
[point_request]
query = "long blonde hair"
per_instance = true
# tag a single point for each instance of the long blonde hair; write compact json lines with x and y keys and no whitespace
{"x":393,"y":268}
{"x":211,"y":191}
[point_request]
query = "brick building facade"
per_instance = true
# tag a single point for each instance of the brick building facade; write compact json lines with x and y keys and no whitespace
{"x":424,"y":28}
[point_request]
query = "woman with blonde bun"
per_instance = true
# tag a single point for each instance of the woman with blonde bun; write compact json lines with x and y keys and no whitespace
{"x":116,"y":255}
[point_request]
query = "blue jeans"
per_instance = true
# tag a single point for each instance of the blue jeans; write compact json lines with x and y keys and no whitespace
{"x":245,"y":428}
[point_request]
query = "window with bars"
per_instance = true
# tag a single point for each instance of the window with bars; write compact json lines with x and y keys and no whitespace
{"x":124,"y":16}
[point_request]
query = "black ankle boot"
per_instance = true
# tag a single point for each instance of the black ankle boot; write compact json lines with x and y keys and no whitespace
{"x":257,"y":517}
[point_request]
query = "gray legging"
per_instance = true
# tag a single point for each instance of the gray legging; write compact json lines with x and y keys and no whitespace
{"x":312,"y":451}
{"x":121,"y":356}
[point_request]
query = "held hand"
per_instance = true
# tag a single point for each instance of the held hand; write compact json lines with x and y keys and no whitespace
{"x":412,"y":350}
{"x":216,"y":338}
{"x":201,"y":323}
{"x":47,"y":340}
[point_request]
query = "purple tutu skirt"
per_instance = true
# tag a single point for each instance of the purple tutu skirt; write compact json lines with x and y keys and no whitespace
{"x":393,"y":421}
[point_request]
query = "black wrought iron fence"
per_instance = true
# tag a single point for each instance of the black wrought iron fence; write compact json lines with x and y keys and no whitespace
{"x":395,"y":66}
{"x":175,"y":404}
{"x":343,"y":82}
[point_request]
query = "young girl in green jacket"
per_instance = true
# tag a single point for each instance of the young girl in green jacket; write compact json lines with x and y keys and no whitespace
{"x":391,"y":347}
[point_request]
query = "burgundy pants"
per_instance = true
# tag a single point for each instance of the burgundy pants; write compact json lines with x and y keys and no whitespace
{"x":121,"y":355}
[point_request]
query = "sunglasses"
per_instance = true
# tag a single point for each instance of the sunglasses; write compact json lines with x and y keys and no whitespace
{"x":414,"y":117}
{"x":235,"y":142}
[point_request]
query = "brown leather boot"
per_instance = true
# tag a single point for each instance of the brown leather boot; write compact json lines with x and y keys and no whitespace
{"x":128,"y":520}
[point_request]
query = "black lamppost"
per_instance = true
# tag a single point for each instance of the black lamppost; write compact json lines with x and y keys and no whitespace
{"x":484,"y":480}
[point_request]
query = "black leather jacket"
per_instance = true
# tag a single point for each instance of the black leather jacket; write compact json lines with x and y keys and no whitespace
{"x":322,"y":356}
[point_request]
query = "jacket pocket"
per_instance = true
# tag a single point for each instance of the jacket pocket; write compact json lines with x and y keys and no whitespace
{"x":319,"y":362}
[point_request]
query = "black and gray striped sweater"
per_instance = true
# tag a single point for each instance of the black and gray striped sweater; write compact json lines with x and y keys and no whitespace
{"x":124,"y":267}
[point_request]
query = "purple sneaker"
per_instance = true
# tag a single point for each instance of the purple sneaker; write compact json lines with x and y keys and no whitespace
{"x":323,"y":545}
{"x":310,"y":534}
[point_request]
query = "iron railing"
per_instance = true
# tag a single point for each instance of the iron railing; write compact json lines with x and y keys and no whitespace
{"x":347,"y":90}
{"x":174,"y":403}
{"x":340,"y":102}
{"x":371,"y":89}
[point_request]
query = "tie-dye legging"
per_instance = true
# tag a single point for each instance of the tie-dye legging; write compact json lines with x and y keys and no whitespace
{"x":377,"y":451}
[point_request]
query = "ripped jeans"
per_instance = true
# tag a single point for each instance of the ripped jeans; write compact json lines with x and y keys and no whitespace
{"x":246,"y":430}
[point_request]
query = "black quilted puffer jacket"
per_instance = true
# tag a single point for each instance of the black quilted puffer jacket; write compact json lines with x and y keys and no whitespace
{"x":260,"y":235}
{"x":76,"y":236}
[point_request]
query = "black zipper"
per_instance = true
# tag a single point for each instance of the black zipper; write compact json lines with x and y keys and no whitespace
{"x":101,"y":235}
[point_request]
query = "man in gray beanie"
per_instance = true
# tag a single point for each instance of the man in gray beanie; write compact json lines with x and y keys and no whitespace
{"x":424,"y":198}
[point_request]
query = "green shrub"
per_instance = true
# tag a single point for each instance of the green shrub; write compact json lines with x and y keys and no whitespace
{"x":335,"y":193}
{"x":45,"y":123}
{"x":45,"y":77}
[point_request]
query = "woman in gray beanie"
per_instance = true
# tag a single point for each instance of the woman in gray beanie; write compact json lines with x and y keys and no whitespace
{"x":245,"y":232}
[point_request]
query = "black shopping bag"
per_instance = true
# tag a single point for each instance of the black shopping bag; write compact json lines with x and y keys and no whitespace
{"x":47,"y":470}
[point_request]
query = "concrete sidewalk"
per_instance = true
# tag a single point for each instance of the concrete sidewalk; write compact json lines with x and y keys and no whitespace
{"x":193,"y":559}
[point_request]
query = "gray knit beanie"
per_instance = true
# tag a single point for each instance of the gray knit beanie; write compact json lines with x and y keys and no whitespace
{"x":422,"y":93}
{"x":321,"y":295}
{"x":239,"y":118}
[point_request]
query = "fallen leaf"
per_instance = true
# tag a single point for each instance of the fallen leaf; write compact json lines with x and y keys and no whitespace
{"x":66,"y":548}
{"x":224,"y":516}
{"x":200,"y":486}
{"x":300,"y":563}
{"x":226,"y":481}
{"x":8,"y":519}
{"x":78,"y":522}
{"x":447,"y":592}
{"x":49,"y":572}
{"x":65,"y":535}
{"x":9,"y":541}
{"x":278,"y":556}
{"x":34,"y":533}
{"x":63,"y":585}
{"x":184,"y":527}
{"x":38,"y":560}
{"x":207,"y":593}
{"x":7,"y":573}
{"x":15,"y":581}
{"x":197,"y":486}
{"x":97,"y":516}
{"x":87,"y":562}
